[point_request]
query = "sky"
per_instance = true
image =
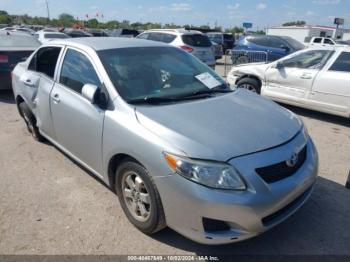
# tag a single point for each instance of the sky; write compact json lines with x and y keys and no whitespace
{"x":262,"y":13}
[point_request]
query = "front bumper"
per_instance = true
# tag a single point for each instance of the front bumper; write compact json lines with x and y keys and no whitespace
{"x":248,"y":213}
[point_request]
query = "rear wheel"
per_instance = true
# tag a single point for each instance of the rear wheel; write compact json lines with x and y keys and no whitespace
{"x":30,"y":121}
{"x":250,"y":84}
{"x":139,"y":197}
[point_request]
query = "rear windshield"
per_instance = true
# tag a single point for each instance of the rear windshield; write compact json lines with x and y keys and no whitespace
{"x":196,"y":40}
{"x":56,"y":36}
{"x":18,"y":41}
{"x":228,"y":37}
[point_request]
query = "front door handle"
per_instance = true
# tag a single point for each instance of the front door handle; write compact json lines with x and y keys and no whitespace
{"x":306,"y":76}
{"x":56,"y":98}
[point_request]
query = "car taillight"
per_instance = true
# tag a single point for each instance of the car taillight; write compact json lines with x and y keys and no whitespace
{"x":186,"y":48}
{"x":4,"y":59}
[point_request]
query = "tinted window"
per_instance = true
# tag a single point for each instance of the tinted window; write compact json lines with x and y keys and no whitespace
{"x":263,"y":41}
{"x":45,"y":60}
{"x":275,"y":42}
{"x":196,"y":40}
{"x":77,"y":71}
{"x":296,"y":45}
{"x":228,"y":37}
{"x":342,"y":63}
{"x":155,"y":37}
{"x":57,"y":36}
{"x":314,"y":59}
{"x":143,"y":36}
{"x":328,"y":41}
{"x":18,"y":41}
{"x":318,"y":40}
{"x":167,"y":38}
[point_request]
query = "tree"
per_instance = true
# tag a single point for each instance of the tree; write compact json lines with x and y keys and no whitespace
{"x":297,"y":23}
{"x":66,"y":20}
{"x":4,"y":17}
{"x":92,"y":23}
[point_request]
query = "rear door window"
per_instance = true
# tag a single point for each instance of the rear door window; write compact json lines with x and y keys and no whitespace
{"x":196,"y":40}
{"x":77,"y":70}
{"x":45,"y":61}
{"x":328,"y":42}
{"x":342,"y":63}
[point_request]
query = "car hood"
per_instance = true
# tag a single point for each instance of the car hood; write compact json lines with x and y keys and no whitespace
{"x":222,"y":127}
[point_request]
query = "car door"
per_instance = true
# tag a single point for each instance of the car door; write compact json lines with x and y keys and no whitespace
{"x":77,"y":123}
{"x":331,"y":89}
{"x":39,"y":80}
{"x":292,"y":77}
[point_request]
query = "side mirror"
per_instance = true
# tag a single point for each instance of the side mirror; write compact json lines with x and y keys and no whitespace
{"x":90,"y":92}
{"x":279,"y":65}
{"x":285,"y":48}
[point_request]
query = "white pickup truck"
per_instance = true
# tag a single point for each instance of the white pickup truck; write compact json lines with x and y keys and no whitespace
{"x":321,"y":41}
{"x":314,"y":78}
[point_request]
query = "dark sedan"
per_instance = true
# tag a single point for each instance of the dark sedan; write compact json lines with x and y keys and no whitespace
{"x":14,"y":48}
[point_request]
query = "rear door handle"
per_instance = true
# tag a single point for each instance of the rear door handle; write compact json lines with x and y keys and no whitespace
{"x":56,"y":98}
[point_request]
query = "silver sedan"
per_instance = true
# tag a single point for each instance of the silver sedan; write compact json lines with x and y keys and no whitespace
{"x":169,"y":136}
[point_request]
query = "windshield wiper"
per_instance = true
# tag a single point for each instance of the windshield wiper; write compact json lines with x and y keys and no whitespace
{"x":152,"y":100}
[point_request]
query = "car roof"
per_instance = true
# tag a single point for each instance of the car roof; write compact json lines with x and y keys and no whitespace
{"x":179,"y":31}
{"x":104,"y":43}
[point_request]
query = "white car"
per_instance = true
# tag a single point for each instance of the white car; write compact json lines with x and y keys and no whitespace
{"x":321,"y":41}
{"x":44,"y":36}
{"x":317,"y":79}
{"x":191,"y":41}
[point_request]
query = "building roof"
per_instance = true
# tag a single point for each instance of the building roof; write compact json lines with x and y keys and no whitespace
{"x":309,"y":27}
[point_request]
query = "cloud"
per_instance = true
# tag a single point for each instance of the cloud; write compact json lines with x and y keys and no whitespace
{"x":234,"y":6}
{"x":326,"y":2}
{"x":181,"y":7}
{"x":310,"y":13}
{"x":261,"y":6}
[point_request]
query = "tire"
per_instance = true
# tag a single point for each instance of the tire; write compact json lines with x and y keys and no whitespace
{"x":30,"y":121}
{"x":148,"y":217}
{"x":250,"y":84}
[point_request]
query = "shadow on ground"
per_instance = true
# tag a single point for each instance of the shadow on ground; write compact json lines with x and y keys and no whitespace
{"x":6,"y":96}
{"x":321,"y":226}
{"x":319,"y":115}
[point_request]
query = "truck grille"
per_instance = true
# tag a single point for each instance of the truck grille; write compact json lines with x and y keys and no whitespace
{"x":279,"y":171}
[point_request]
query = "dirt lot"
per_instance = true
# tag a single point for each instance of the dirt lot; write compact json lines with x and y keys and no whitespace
{"x":49,"y":205}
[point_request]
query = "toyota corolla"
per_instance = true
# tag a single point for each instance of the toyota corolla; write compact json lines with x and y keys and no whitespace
{"x":163,"y":130}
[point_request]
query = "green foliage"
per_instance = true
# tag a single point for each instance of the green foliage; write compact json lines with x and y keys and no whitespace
{"x":235,"y":30}
{"x":297,"y":23}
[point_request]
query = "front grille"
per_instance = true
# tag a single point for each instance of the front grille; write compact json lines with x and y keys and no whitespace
{"x":279,"y":171}
{"x":280,"y":214}
{"x":213,"y":225}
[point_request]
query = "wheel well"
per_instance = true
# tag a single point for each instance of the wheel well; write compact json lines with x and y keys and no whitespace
{"x":113,"y":165}
{"x":19,"y":100}
{"x":250,"y":76}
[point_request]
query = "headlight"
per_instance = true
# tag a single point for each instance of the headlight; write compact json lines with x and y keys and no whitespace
{"x":211,"y":174}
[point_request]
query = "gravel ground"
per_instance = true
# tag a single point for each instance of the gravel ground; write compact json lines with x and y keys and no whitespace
{"x":50,"y":205}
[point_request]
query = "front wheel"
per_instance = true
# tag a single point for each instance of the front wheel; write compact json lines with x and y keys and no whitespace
{"x":139,"y":197}
{"x":250,"y":84}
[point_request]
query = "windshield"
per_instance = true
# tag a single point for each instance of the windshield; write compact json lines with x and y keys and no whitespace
{"x":158,"y":72}
{"x":56,"y":36}
{"x":296,"y":45}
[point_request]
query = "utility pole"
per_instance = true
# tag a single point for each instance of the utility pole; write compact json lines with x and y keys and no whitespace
{"x":48,"y":10}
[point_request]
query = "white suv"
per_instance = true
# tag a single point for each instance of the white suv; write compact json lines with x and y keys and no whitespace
{"x":191,"y":41}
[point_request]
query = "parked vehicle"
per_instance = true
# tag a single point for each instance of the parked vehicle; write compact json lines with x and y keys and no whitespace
{"x":97,"y":32}
{"x":275,"y":47}
{"x":14,"y":48}
{"x":218,"y":51}
{"x":316,"y":79}
{"x":23,"y":30}
{"x":7,"y":29}
{"x":44,"y":36}
{"x":76,"y":33}
{"x":191,"y":41}
{"x":227,"y":41}
{"x":122,"y":32}
{"x":143,"y":117}
{"x":320,"y":41}
{"x":343,"y":42}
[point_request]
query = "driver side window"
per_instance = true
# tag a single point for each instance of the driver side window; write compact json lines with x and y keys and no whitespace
{"x":77,"y":71}
{"x":314,"y":59}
